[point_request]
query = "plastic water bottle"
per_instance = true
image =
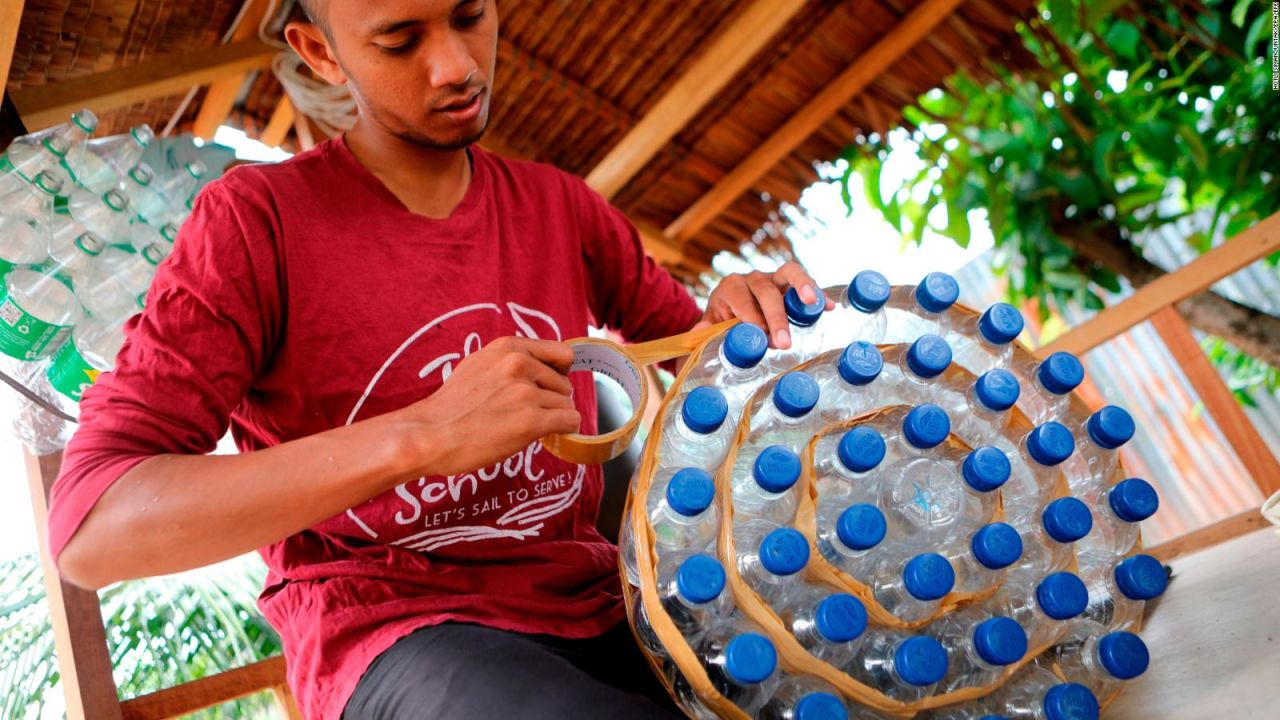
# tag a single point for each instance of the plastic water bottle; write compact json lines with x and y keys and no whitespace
{"x":804,"y":697}
{"x":35,"y":201}
{"x":922,"y":494}
{"x":1100,"y":660}
{"x":21,"y":243}
{"x":732,"y":363}
{"x":847,"y":387}
{"x":976,"y":709}
{"x":741,"y":663}
{"x":842,"y":463}
{"x":978,"y":647}
{"x":108,"y":160}
{"x":38,"y":307}
{"x":1049,"y":545}
{"x":58,"y":149}
{"x":107,"y":215}
{"x":142,"y":235}
{"x":991,"y":549}
{"x":692,"y":590}
{"x":1042,"y":608}
{"x":682,"y":514}
{"x":770,"y":557}
{"x":848,"y":535}
{"x":981,"y":410}
{"x":767,"y":489}
{"x":919,"y":369}
{"x":40,"y":430}
{"x":787,"y":418}
{"x":1047,"y":386}
{"x":827,"y":624}
{"x":1117,"y":513}
{"x":166,"y":195}
{"x":113,"y":286}
{"x":1119,"y":591}
{"x":1041,"y":451}
{"x":1037,"y":693}
{"x":695,"y":433}
{"x":986,"y":341}
{"x":92,"y":350}
{"x":912,"y":590}
{"x":899,"y":665}
{"x":806,"y":332}
{"x":1098,"y":457}
{"x":916,"y":310}
{"x":859,"y":310}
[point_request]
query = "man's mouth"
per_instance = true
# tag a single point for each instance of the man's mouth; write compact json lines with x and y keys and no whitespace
{"x":462,"y":104}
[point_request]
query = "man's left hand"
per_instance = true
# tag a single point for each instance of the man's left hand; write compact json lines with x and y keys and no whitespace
{"x":756,"y":297}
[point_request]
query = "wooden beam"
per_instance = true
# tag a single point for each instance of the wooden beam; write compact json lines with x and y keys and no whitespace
{"x":1221,"y":403}
{"x":711,"y":72}
{"x":45,"y":105}
{"x":277,"y":129}
{"x":207,"y":691}
{"x":10,"y":19}
{"x":826,"y":103}
{"x":1196,"y":276}
{"x":222,"y":93}
{"x":79,"y":639}
{"x":1209,"y":535}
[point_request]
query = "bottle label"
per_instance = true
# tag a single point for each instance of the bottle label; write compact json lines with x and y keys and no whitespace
{"x":24,"y":336}
{"x":70,"y":374}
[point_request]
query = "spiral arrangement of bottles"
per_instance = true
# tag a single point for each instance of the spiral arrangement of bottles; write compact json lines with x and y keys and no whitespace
{"x":904,"y":514}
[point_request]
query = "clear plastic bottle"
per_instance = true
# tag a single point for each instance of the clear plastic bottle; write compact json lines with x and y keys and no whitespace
{"x":912,"y":590}
{"x":21,"y":243}
{"x":979,"y":647}
{"x":1037,"y":694}
{"x":981,"y":410}
{"x":741,"y":663}
{"x":138,"y":184}
{"x":92,"y":350}
{"x":918,"y":369}
{"x":767,"y":490}
{"x":107,"y":215}
{"x":695,"y":433}
{"x":804,"y":697}
{"x":1119,"y":591}
{"x":985,"y":342}
{"x":1042,"y":451}
{"x":142,"y":235}
{"x":1097,"y":459}
{"x":847,"y":387}
{"x":990,"y":550}
{"x":843,"y":462}
{"x":692,"y":590}
{"x":682,"y":514}
{"x":165,"y":197}
{"x":112,"y":287}
{"x":1117,"y":513}
{"x":827,"y":624}
{"x":1098,"y":659}
{"x":914,"y":310}
{"x":787,"y":418}
{"x":1049,"y":544}
{"x":921,"y":494}
{"x":771,"y":558}
{"x":38,"y":307}
{"x":860,"y":307}
{"x":1047,"y":386}
{"x":107,"y":161}
{"x":1041,"y":608}
{"x":848,"y":535}
{"x":58,"y":149}
{"x":805,"y":330}
{"x":899,"y":665}
{"x":35,"y":202}
{"x":732,"y":363}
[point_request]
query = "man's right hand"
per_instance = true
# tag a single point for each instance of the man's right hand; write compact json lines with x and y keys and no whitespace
{"x":494,"y":403}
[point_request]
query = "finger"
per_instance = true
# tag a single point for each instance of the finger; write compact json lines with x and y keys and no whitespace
{"x":552,"y":400}
{"x":561,"y":421}
{"x":549,"y":378}
{"x":793,"y":275}
{"x":769,"y":299}
{"x":556,"y":355}
{"x":741,"y":303}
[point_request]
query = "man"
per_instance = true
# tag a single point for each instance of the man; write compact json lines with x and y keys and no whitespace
{"x":426,"y":557}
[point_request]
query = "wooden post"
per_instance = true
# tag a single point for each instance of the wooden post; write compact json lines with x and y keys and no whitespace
{"x":79,"y":639}
{"x":278,"y":126}
{"x":222,"y":93}
{"x":10,"y":19}
{"x":1218,"y":400}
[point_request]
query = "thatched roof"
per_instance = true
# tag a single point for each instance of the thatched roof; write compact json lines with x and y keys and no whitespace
{"x":576,"y":76}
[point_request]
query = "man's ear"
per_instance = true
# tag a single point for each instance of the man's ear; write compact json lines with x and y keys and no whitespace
{"x":312,"y":46}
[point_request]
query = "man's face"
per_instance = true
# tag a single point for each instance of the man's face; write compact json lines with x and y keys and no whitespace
{"x":421,"y":69}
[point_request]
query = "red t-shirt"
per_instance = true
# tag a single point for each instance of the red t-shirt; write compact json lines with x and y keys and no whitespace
{"x":304,"y":296}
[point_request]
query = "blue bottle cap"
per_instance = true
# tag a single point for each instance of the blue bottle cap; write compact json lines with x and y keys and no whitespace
{"x":1141,"y":577}
{"x":690,"y":491}
{"x":861,"y":526}
{"x":860,"y":363}
{"x":776,"y":469}
{"x":700,"y":578}
{"x":1110,"y":427}
{"x":841,"y":617}
{"x":869,"y":291}
{"x":997,"y":389}
{"x":1060,"y":373}
{"x":920,"y":661}
{"x":937,"y":292}
{"x":1133,"y":500}
{"x":1000,"y":641}
{"x":1062,"y":596}
{"x":928,"y":356}
{"x":800,"y":313}
{"x":820,"y":706}
{"x":1000,"y":324}
{"x":1124,"y":655}
{"x":1070,"y":701}
{"x":861,"y":449}
{"x":926,"y":426}
{"x":784,"y":551}
{"x":704,"y":409}
{"x":985,"y":469}
{"x":795,"y":394}
{"x":750,"y":658}
{"x":928,"y":576}
{"x":1067,"y":519}
{"x":996,"y":546}
{"x":1051,"y":443}
{"x":745,"y":345}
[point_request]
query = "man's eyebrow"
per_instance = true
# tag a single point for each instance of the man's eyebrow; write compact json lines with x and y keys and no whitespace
{"x":386,"y":27}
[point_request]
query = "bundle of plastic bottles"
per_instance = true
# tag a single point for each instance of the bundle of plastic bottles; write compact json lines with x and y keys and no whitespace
{"x":905,"y":514}
{"x":84,"y":222}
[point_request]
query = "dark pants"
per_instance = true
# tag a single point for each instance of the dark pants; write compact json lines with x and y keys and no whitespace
{"x":459,"y":670}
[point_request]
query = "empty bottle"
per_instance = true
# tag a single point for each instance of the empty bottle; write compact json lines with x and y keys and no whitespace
{"x":1043,"y":607}
{"x":92,"y":350}
{"x":692,"y":590}
{"x":1047,"y":386}
{"x":35,"y":202}
{"x":108,"y":160}
{"x":770,"y":557}
{"x":919,"y":369}
{"x":1042,"y":451}
{"x":107,"y":215}
{"x":732,"y":363}
{"x":38,"y":307}
{"x":981,"y":412}
{"x":986,"y":341}
{"x":848,"y":535}
{"x":113,"y":287}
{"x":58,"y":149}
{"x":847,"y":387}
{"x":142,"y":235}
{"x":912,"y":590}
{"x":1098,"y":659}
{"x":1097,"y":459}
{"x":1119,"y":591}
{"x":860,"y":308}
{"x":921,"y":494}
{"x":913,"y":311}
{"x":21,"y":243}
{"x":787,"y":418}
{"x":1037,"y":693}
{"x":827,"y":624}
{"x":682,"y":513}
{"x":979,"y":647}
{"x":767,"y":489}
{"x":1117,"y":512}
{"x":741,"y":663}
{"x":991,"y":550}
{"x":806,"y":332}
{"x":1049,"y":545}
{"x":167,"y":194}
{"x":843,"y":462}
{"x":803,"y":697}
{"x":697,"y":434}
{"x":899,"y":665}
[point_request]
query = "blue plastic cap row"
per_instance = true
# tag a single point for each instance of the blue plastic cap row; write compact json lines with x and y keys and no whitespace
{"x":861,"y":449}
{"x":920,"y":661}
{"x":801,"y":313}
{"x":776,"y":469}
{"x":869,"y":291}
{"x":928,"y":576}
{"x":700,"y":578}
{"x":1141,"y":577}
{"x":1133,"y":500}
{"x":937,"y":292}
{"x":1110,"y":427}
{"x":704,"y":409}
{"x":745,"y":345}
{"x":861,"y":526}
{"x":820,"y":706}
{"x":784,"y":551}
{"x":795,"y":394}
{"x":1060,"y":373}
{"x":1123,"y":655}
{"x":1000,"y":324}
{"x":1067,"y":519}
{"x":840,"y":618}
{"x":997,"y":545}
{"x":926,"y":426}
{"x":860,"y":363}
{"x":928,"y":356}
{"x":1050,"y":444}
{"x":997,"y":389}
{"x":750,"y":658}
{"x":1070,"y":701}
{"x":1062,"y":596}
{"x":985,"y":469}
{"x":690,"y":491}
{"x":1000,"y":641}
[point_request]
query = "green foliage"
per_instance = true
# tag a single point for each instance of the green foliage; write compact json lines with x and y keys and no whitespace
{"x":1139,"y":114}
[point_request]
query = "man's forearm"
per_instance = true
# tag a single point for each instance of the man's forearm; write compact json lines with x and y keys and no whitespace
{"x":177,"y":512}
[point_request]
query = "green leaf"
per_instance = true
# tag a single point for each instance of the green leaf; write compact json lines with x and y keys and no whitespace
{"x":1195,"y":146}
{"x":1123,"y":38}
{"x":1107,"y":280}
{"x":1102,"y":161}
{"x":1096,"y":12}
{"x":1065,"y":280}
{"x":1240,"y":12}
